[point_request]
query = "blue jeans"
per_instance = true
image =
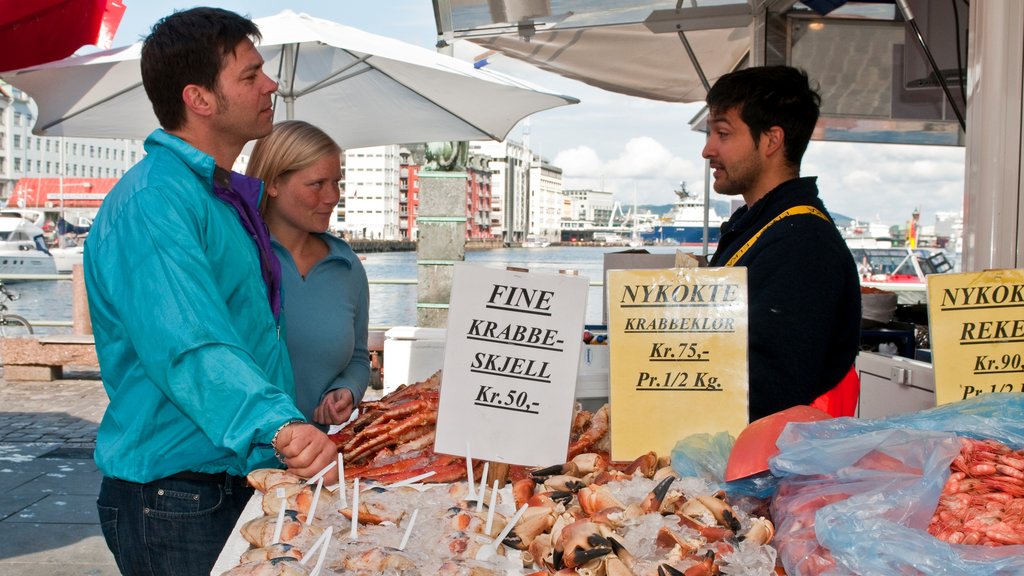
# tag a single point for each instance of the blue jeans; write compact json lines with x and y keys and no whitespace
{"x":169,"y":526}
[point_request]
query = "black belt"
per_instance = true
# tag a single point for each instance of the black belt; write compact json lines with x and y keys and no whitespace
{"x":221,"y":478}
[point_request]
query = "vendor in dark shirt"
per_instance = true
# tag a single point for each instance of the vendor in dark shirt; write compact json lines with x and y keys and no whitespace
{"x":804,"y":293}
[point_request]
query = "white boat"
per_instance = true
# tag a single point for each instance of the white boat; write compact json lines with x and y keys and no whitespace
{"x":67,"y":257}
{"x":23,"y":247}
{"x":901,"y":270}
{"x":687,"y":224}
{"x":536,"y":242}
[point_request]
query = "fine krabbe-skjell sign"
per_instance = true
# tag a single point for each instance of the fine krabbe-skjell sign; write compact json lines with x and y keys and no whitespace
{"x":976,"y":329}
{"x":678,"y":362}
{"x":512,"y":351}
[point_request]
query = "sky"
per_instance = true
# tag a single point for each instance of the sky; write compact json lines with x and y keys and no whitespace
{"x":629,"y":145}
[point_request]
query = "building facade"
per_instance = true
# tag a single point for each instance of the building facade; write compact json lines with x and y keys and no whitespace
{"x":510,"y":184}
{"x":371,"y":189}
{"x":408,"y":197}
{"x":546,"y":200}
{"x":478,"y":198}
{"x":81,"y":165}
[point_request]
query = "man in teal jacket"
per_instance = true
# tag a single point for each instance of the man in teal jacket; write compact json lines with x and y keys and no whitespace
{"x":184,"y":295}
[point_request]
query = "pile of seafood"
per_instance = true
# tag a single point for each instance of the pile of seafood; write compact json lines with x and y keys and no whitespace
{"x":982,"y":502}
{"x":392,"y":439}
{"x":584,"y":516}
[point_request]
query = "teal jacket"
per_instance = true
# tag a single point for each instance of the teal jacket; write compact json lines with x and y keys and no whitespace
{"x":326,"y":319}
{"x":190,"y":353}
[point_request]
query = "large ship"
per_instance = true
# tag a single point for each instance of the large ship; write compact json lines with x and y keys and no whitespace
{"x":686,"y":226}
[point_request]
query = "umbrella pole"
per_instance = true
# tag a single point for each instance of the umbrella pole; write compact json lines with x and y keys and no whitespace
{"x":288,"y":81}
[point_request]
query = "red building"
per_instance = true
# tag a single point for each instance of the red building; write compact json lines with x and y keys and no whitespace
{"x":51,"y":195}
{"x":408,"y":198}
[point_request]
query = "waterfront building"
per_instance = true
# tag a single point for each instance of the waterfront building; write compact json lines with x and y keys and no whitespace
{"x":589,"y":211}
{"x":371,"y":190}
{"x":546,"y":199}
{"x":510,"y":184}
{"x":84,"y":163}
{"x":408,"y":196}
{"x":478,"y":198}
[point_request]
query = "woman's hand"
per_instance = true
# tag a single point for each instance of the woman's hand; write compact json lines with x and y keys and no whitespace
{"x":335,"y":408}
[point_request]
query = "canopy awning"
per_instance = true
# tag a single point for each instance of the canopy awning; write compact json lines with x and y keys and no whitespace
{"x":45,"y":30}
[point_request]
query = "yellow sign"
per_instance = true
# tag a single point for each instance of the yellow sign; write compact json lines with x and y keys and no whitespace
{"x":976,"y":327}
{"x":678,"y":359}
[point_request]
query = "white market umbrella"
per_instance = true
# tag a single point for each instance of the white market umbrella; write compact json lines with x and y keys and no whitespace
{"x":362,"y":89}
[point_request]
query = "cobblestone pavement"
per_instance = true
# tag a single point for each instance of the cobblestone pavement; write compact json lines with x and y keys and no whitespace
{"x":65,"y":411}
{"x":48,"y":480}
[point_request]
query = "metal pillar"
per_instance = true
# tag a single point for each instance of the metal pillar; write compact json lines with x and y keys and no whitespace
{"x":993,"y":203}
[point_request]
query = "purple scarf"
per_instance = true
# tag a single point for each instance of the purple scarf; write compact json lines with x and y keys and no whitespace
{"x":243,"y":193}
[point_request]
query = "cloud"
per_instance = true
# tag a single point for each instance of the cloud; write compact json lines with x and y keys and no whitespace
{"x":643,"y":163}
{"x":887,"y":182}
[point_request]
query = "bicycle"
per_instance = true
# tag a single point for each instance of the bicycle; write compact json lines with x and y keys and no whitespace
{"x":11,"y":325}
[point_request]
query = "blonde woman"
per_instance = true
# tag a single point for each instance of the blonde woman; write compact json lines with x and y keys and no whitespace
{"x":325,"y":293}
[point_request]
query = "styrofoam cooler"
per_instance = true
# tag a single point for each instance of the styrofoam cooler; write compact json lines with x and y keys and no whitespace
{"x":411,"y":354}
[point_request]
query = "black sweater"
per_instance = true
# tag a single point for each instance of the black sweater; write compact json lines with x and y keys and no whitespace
{"x":804,"y":298}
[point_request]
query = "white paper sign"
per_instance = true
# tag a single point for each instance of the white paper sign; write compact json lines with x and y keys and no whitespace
{"x":511,"y":354}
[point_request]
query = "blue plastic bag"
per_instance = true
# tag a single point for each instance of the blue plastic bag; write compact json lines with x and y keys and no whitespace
{"x":856,"y":496}
{"x":706,"y":456}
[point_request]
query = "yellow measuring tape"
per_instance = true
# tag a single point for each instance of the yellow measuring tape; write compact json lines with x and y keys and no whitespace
{"x":804,"y":209}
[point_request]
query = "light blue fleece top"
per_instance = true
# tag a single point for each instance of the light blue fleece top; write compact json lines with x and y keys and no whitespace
{"x":189,"y":351}
{"x":326,"y":317}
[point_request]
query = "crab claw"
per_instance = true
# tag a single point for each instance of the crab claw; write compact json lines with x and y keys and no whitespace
{"x":564,"y":483}
{"x":668,"y":570}
{"x":722,"y":511}
{"x":582,"y":541}
{"x":665,"y":472}
{"x":568,"y":468}
{"x":535,"y":521}
{"x":522,"y":490}
{"x":589,"y":463}
{"x":761,"y":531}
{"x":653,"y":501}
{"x":646,"y":465}
{"x":668,"y":539}
{"x":550,"y":498}
{"x":593,"y":498}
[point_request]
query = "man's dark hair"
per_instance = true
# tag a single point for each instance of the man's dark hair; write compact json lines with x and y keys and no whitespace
{"x":188,"y":47}
{"x":768,"y":96}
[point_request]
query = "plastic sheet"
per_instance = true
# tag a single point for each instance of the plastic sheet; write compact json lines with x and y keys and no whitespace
{"x":705,"y":456}
{"x":856,"y":496}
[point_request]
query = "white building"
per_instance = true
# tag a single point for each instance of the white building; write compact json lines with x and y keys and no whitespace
{"x":592,"y":206}
{"x":24,"y":155}
{"x":372,"y":192}
{"x":510,"y":185}
{"x":546,"y":200}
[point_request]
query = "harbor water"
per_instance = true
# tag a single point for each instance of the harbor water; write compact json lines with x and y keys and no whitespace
{"x":390,"y":304}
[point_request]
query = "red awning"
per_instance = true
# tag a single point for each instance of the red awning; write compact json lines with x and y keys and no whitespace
{"x":44,"y":193}
{"x":39,"y":31}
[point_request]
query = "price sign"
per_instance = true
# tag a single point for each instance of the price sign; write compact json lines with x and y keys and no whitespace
{"x":678,"y":362}
{"x":976,"y":327}
{"x":511,"y":354}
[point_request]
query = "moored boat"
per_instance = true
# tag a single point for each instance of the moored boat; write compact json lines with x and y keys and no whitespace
{"x":902,"y":270}
{"x":687,"y":224}
{"x":536,"y":242}
{"x":23,"y":247}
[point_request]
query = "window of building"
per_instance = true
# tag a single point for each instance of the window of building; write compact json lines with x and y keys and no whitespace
{"x":17,"y":141}
{"x":17,"y":164}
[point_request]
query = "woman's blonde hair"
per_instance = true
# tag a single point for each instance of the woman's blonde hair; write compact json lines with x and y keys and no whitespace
{"x":291,"y":146}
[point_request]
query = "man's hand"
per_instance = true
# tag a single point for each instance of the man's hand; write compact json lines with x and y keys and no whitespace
{"x":307,"y":450}
{"x":335,"y":408}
